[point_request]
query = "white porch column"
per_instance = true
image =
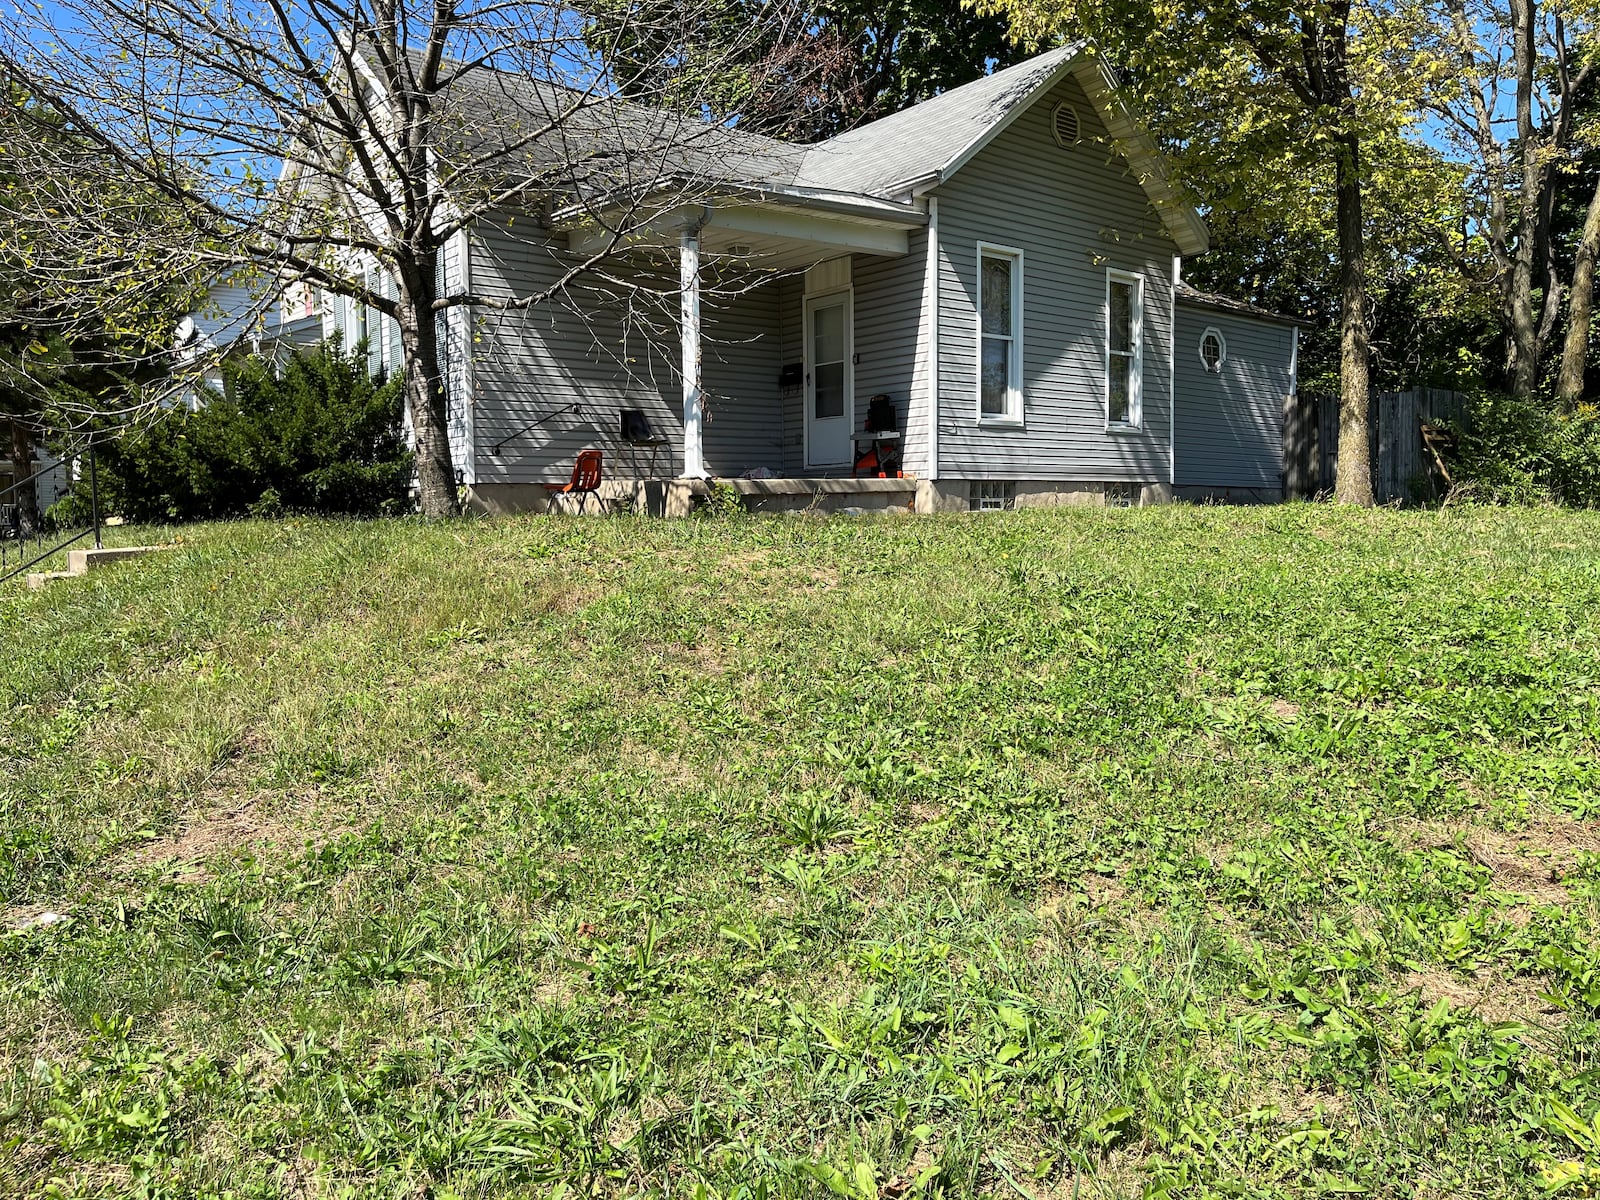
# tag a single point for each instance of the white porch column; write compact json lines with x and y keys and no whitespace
{"x":694,"y":464}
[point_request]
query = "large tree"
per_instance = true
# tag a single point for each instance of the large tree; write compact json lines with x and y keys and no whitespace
{"x":315,"y":138}
{"x":824,"y":65}
{"x":1262,"y":97}
{"x":1507,"y":82}
{"x":1276,"y":243}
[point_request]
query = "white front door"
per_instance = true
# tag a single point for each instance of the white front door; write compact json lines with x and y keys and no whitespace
{"x":830,"y":381}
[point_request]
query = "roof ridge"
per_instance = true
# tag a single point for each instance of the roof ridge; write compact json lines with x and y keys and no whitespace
{"x":919,"y":110}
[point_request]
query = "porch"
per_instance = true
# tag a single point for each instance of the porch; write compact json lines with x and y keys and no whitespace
{"x":787,"y":323}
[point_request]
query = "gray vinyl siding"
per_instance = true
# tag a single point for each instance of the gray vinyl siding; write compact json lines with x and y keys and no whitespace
{"x":792,"y":343}
{"x":1073,"y":213}
{"x":1230,"y":424}
{"x":741,"y":355}
{"x":888,"y":322}
{"x":608,"y":346}
{"x":455,"y":352}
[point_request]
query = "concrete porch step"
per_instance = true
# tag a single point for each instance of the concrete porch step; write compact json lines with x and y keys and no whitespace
{"x":37,"y":579}
{"x":81,"y":562}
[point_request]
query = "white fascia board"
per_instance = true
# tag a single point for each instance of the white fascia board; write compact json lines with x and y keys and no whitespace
{"x":800,"y":226}
{"x":1182,"y":222}
{"x":765,"y":220}
{"x":857,"y":207}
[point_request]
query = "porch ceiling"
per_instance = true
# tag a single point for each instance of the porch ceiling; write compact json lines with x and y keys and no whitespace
{"x":766,"y":235}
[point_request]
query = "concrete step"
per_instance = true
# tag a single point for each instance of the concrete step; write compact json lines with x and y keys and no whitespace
{"x":81,"y":562}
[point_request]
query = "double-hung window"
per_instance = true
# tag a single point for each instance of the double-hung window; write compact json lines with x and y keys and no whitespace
{"x":1124,"y":350}
{"x":999,"y":334}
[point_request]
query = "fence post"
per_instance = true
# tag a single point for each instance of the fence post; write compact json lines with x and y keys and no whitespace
{"x":1296,"y":452}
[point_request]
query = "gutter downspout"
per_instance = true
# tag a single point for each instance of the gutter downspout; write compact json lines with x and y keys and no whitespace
{"x":1172,"y":371}
{"x":933,"y":338}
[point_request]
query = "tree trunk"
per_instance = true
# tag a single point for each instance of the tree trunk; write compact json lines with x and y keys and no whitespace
{"x":1575,"y":353}
{"x":1354,"y":485}
{"x":1522,"y":343}
{"x":26,"y":497}
{"x":425,"y":392}
{"x":1522,"y":348}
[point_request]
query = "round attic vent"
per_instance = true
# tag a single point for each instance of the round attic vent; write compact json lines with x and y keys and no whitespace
{"x":1064,"y":124}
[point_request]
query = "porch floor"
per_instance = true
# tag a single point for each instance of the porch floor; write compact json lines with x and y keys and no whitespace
{"x":679,"y":496}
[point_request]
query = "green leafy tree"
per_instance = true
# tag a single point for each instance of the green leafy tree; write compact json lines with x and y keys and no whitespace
{"x":1508,"y":83}
{"x":1277,"y":246}
{"x":823,"y":66}
{"x":73,"y":346}
{"x":1264,"y":99}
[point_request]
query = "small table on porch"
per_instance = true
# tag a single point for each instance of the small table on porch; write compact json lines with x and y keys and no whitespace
{"x":885,"y":445}
{"x":636,"y":446}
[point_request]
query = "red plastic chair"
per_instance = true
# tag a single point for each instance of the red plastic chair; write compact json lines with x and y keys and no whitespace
{"x":585,"y":481}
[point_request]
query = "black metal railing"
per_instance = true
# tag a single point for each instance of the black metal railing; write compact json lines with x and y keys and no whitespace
{"x":575,"y":407}
{"x":12,"y":528}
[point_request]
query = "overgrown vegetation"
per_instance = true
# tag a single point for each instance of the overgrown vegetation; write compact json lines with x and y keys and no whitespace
{"x":1191,"y":852}
{"x":314,"y":434}
{"x":1516,"y":452}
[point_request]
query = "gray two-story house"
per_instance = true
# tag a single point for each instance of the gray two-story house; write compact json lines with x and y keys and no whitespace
{"x":999,"y":267}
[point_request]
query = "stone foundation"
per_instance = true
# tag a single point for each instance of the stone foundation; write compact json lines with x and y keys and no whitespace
{"x":679,"y":497}
{"x":1204,"y":494}
{"x":955,"y":495}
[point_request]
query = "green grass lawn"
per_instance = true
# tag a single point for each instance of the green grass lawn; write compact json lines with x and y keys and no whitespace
{"x":1177,"y":852}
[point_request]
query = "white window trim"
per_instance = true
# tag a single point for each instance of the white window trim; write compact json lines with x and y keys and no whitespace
{"x":1200,"y":349}
{"x":1013,"y":417}
{"x":1135,"y":421}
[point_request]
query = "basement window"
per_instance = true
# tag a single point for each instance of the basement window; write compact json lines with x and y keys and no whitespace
{"x":1122,"y":495}
{"x":992,"y":495}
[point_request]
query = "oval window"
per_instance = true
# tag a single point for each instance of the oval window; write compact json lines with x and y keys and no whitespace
{"x":1213,"y":350}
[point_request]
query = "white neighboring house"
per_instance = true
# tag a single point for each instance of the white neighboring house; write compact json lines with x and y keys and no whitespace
{"x":52,"y":476}
{"x":241,"y":317}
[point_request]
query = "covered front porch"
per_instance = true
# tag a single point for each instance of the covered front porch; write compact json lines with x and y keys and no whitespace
{"x":788,"y":321}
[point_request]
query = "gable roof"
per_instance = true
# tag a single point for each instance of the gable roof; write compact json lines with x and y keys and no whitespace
{"x":924,"y":145}
{"x":918,"y":142}
{"x":1185,"y":294}
{"x":626,"y":147}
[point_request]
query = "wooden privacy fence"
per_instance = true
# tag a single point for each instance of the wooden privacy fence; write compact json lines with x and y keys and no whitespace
{"x":1402,"y":467}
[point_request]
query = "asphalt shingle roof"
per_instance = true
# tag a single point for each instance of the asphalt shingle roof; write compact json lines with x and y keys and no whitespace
{"x":600,"y":146}
{"x":919,"y":140}
{"x":605,"y":136}
{"x":1191,"y":295}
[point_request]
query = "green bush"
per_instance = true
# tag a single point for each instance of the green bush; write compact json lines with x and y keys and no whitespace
{"x":1514,"y":452}
{"x":316,"y":434}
